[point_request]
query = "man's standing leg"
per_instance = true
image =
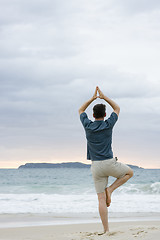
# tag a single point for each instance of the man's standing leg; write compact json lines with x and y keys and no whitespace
{"x":103,"y":211}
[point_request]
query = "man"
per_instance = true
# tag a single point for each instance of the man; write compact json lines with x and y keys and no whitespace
{"x":99,"y":151}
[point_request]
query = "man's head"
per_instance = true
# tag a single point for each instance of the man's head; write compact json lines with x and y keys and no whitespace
{"x":99,"y":111}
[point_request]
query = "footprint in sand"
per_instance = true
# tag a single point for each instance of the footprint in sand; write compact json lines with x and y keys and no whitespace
{"x":153,"y":228}
{"x":89,"y":235}
{"x":139,"y":233}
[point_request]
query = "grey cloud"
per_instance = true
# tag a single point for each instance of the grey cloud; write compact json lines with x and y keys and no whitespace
{"x":29,"y":11}
{"x":43,"y":99}
{"x":137,"y":6}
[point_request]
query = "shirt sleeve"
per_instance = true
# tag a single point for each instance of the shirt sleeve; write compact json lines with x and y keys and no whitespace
{"x":84,"y":119}
{"x":112,"y":119}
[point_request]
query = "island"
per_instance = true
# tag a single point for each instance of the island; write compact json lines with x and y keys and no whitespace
{"x":63,"y":165}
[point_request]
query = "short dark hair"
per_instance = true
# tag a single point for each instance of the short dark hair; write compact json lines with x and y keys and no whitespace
{"x":99,"y":110}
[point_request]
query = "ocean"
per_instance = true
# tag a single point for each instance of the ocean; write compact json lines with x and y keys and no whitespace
{"x":69,"y":191}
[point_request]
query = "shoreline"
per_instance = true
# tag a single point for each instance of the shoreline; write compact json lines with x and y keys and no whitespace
{"x":50,"y":219}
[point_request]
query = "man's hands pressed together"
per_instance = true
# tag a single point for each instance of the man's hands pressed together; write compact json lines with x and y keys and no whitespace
{"x":115,"y":106}
{"x":101,"y":95}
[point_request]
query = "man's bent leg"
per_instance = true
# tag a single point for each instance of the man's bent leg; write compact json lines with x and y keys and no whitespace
{"x":116,"y":184}
{"x":103,"y":211}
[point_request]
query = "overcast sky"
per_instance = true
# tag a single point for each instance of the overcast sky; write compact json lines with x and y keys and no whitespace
{"x":53,"y":53}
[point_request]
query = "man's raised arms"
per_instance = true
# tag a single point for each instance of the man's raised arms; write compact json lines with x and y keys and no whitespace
{"x":114,"y":105}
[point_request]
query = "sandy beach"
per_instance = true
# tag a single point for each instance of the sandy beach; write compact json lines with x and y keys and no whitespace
{"x":146,"y":230}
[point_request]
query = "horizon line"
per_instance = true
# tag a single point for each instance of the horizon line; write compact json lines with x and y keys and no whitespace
{"x":70,"y":162}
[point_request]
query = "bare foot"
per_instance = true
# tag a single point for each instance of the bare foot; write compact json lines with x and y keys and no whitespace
{"x":107,"y":231}
{"x":108,"y":197}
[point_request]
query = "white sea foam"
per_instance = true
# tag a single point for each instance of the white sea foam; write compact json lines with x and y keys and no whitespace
{"x":55,"y":203}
